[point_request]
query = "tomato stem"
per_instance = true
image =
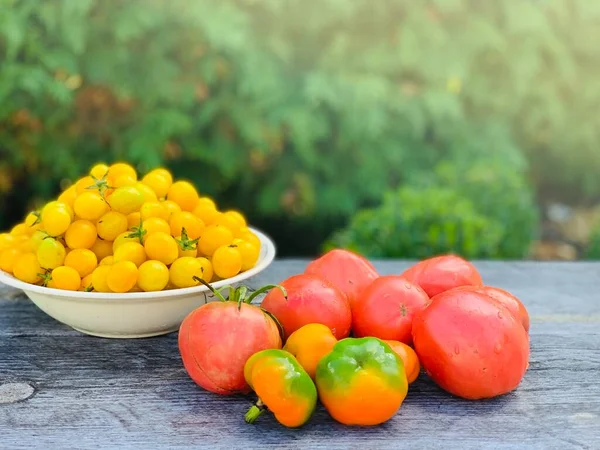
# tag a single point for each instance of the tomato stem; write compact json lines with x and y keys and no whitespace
{"x":137,"y":232}
{"x":266,"y":288}
{"x":185,"y":243}
{"x":255,"y":411}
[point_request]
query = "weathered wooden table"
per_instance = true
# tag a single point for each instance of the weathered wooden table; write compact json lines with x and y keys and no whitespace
{"x":61,"y":389}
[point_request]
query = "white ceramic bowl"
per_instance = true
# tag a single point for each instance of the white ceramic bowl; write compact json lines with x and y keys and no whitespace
{"x":135,"y":314}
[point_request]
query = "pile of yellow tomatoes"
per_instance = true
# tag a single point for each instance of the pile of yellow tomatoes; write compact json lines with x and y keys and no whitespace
{"x":113,"y":232}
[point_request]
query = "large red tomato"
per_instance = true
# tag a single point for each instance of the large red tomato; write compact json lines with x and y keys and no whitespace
{"x":346,"y":270}
{"x":441,"y":273}
{"x":471,"y":345}
{"x":386,"y":309}
{"x":310,"y":300}
{"x":507,"y":299}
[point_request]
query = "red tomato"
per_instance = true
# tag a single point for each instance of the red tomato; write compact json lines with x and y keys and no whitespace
{"x":347,"y":271}
{"x":216,"y":339}
{"x":515,"y":306}
{"x":387,"y":307}
{"x":441,"y":273}
{"x":310,"y":300}
{"x":471,"y":345}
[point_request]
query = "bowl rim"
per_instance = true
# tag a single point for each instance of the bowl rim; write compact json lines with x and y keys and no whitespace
{"x":269,"y":253}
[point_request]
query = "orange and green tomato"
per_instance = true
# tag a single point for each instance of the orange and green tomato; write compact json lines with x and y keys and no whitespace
{"x":361,"y":381}
{"x":309,"y":344}
{"x":282,"y":386}
{"x":409,"y":357}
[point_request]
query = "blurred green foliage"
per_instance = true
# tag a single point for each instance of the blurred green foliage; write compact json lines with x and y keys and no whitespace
{"x":418,"y":223}
{"x":480,"y":209}
{"x":302,"y":112}
{"x":592,"y":250}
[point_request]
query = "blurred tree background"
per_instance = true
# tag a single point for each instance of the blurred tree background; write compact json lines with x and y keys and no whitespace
{"x":400,"y":128}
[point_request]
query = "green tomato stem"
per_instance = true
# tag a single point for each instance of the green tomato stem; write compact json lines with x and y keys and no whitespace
{"x":264,"y":289}
{"x":255,"y":411}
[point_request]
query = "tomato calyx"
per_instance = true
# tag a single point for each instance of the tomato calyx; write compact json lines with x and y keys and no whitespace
{"x":101,"y":185}
{"x":46,"y":277}
{"x":185,"y":243}
{"x":137,"y":232}
{"x":240,"y":295}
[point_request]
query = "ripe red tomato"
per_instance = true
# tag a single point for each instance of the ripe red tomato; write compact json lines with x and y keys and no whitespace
{"x":471,"y":345}
{"x":441,"y":273}
{"x":386,"y":309}
{"x":347,"y":271}
{"x":310,"y":300}
{"x":507,"y":299}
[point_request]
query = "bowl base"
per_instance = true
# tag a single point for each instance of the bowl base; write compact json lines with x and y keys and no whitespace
{"x":126,"y":336}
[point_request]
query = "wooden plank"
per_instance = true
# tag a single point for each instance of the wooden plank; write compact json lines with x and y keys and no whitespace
{"x":92,"y":392}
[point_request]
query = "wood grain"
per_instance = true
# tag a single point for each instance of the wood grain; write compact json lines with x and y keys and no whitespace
{"x":134,"y":394}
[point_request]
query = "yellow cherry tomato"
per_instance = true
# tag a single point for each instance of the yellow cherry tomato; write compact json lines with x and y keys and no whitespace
{"x":246,"y":235}
{"x":249,"y":253}
{"x":99,"y":278}
{"x":171,"y":208}
{"x":206,"y":212}
{"x":153,"y":209}
{"x":237,"y":216}
{"x":7,"y":241}
{"x":134,"y":220}
{"x":122,"y":276}
{"x":107,"y":261}
{"x":213,"y":237}
{"x":85,"y":184}
{"x":184,"y":194}
{"x":51,"y":254}
{"x":68,"y":196}
{"x":126,"y":200}
{"x":101,"y":248}
{"x":147,"y":192}
{"x":124,"y":180}
{"x":66,"y":278}
{"x":186,"y":220}
{"x":86,"y":283}
{"x":111,"y":225}
{"x":161,"y":247}
{"x":36,"y":239}
{"x":165,"y":173}
{"x":183,"y":271}
{"x":8,"y":258}
{"x":228,"y":222}
{"x":90,"y":206}
{"x":99,"y":171}
{"x":119,"y":169}
{"x":84,"y":261}
{"x":81,"y":234}
{"x":206,"y":269}
{"x":56,"y":219}
{"x":227,"y":261}
{"x":131,"y":251}
{"x":153,"y":276}
{"x":158,"y":182}
{"x":27,"y":268}
{"x":207,"y":201}
{"x":122,"y":239}
{"x":155,"y":225}
{"x":21,"y":229}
